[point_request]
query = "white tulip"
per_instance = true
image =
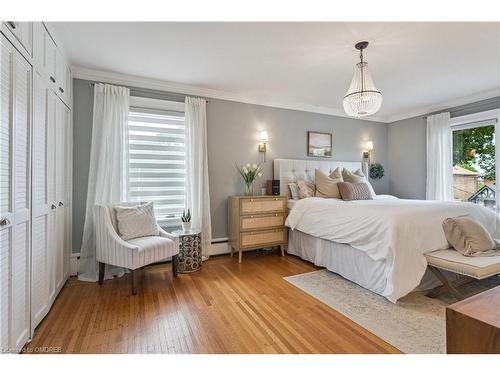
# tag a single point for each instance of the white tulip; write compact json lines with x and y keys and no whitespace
{"x":248,"y":165}
{"x":260,"y":175}
{"x":254,"y":166}
{"x":245,"y":170}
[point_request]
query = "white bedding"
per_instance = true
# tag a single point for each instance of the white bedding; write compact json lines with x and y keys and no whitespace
{"x":396,"y":231}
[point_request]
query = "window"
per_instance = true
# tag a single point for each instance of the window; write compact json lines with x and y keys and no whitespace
{"x":157,"y":157}
{"x":474,"y":159}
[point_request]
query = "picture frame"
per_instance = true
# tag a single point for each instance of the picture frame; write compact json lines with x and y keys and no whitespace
{"x":319,"y":144}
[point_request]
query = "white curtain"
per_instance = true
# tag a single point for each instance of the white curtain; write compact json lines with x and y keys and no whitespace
{"x":108,"y":173}
{"x":197,"y":192}
{"x":439,"y":158}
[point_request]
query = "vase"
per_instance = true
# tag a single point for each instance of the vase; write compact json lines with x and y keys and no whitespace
{"x":249,"y":188}
{"x":186,"y":226}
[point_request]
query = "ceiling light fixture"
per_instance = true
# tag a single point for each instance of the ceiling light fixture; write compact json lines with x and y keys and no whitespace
{"x":362,"y":98}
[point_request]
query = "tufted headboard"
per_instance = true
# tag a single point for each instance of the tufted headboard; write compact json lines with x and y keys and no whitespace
{"x":289,"y":170}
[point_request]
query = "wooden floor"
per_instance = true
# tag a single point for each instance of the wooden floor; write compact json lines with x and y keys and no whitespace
{"x":224,"y":308}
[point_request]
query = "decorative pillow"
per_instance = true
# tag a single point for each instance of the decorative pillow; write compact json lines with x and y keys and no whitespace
{"x":354,"y":191}
{"x":326,"y":186}
{"x":306,"y":189}
{"x":294,"y":190}
{"x":136,"y":221}
{"x":357,"y":178}
{"x":467,"y":236}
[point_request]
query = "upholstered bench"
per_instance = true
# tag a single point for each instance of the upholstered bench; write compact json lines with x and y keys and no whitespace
{"x":471,"y":267}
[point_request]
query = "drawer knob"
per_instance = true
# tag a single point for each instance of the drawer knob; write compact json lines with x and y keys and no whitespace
{"x":251,"y":216}
{"x":12,"y":24}
{"x":52,"y":79}
{"x":4,"y":221}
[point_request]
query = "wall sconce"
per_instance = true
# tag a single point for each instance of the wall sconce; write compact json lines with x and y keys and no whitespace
{"x":263,"y":143}
{"x":367,"y":150}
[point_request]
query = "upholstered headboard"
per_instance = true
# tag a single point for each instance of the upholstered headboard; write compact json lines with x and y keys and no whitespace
{"x":289,"y":170}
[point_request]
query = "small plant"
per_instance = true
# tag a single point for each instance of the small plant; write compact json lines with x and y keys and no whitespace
{"x":376,"y":171}
{"x":186,"y":217}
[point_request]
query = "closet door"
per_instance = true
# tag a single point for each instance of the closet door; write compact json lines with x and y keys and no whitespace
{"x":51,"y":193}
{"x":60,"y":194}
{"x":7,"y":56}
{"x":15,"y":207}
{"x":40,"y":252}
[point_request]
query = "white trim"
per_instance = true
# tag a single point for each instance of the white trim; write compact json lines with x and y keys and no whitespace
{"x":471,"y":121}
{"x":456,"y":122}
{"x":443,"y":106}
{"x":148,"y":103}
{"x":74,"y":260}
{"x":156,"y":84}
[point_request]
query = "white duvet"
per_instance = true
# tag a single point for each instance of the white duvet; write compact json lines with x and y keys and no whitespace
{"x":397,"y":231}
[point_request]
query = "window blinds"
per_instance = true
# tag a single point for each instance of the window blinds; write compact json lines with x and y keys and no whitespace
{"x":157,"y":170}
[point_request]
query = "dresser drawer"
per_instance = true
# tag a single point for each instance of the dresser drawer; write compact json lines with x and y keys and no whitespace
{"x":259,"y":205}
{"x":262,"y":221}
{"x":262,"y":238}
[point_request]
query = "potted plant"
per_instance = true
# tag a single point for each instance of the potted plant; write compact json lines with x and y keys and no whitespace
{"x":186,"y":220}
{"x":376,"y":171}
{"x":250,"y":174}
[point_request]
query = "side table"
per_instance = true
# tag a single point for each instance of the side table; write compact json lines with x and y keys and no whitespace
{"x":189,"y":259}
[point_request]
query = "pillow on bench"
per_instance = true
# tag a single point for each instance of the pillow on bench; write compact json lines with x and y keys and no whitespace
{"x":468,"y":236}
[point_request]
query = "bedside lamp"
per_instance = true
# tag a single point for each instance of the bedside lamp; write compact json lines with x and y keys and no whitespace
{"x":263,"y":143}
{"x":367,"y":150}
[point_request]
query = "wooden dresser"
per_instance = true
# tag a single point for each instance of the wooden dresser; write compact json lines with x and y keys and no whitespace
{"x":473,"y":325}
{"x":257,"y":222}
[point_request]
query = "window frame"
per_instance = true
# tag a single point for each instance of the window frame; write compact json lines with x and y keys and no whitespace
{"x":139,"y":103}
{"x":475,"y":120}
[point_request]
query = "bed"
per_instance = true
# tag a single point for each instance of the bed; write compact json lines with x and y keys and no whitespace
{"x":379,"y":244}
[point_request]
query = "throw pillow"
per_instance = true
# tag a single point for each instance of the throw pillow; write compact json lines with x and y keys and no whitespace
{"x":326,"y":186}
{"x":354,"y":191}
{"x":467,"y":236}
{"x":306,"y":189}
{"x":136,"y":221}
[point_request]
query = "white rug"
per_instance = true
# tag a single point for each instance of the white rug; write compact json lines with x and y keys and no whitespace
{"x":416,"y":324}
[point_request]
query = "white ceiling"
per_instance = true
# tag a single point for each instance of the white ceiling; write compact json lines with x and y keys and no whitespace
{"x":417,"y":66}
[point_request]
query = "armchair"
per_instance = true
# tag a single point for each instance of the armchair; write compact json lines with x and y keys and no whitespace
{"x":132,"y":254}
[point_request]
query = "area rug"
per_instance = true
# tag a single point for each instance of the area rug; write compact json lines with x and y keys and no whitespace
{"x":416,"y":324}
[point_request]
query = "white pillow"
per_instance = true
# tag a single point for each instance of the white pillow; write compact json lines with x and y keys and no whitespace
{"x":136,"y":221}
{"x":294,"y":190}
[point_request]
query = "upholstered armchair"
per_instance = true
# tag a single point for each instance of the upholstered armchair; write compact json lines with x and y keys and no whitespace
{"x":111,"y":249}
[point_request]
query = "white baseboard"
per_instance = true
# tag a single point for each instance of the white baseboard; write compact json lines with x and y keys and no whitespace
{"x":220,"y":247}
{"x":73,"y":264}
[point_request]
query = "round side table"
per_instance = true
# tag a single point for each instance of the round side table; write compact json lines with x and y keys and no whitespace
{"x":189,"y":259}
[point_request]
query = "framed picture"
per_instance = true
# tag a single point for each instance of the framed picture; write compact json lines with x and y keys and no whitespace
{"x":319,"y":144}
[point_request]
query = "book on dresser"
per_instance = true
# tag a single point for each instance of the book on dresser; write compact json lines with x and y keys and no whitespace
{"x":256,"y":222}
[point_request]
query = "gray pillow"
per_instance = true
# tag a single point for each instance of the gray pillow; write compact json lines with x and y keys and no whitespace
{"x":467,"y":236}
{"x":354,"y":191}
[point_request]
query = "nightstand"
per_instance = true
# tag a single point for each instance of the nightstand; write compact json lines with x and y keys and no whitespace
{"x":255,"y":222}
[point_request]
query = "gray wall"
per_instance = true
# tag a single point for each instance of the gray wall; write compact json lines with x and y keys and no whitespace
{"x":407,"y":150}
{"x":233,"y":132}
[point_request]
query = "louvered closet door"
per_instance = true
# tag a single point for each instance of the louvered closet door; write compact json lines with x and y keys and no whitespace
{"x":51,"y":192}
{"x":15,"y":196}
{"x":40,"y":251}
{"x":60,"y":193}
{"x":7,"y":55}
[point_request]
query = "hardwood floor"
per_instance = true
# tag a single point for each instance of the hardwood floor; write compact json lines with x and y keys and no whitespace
{"x":225,"y":307}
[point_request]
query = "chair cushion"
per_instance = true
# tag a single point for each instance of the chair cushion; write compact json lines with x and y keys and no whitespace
{"x":136,"y":221}
{"x":477,"y":267}
{"x":152,"y":249}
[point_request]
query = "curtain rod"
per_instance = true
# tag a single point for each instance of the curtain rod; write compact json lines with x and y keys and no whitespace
{"x":472,"y":106}
{"x":92,"y":84}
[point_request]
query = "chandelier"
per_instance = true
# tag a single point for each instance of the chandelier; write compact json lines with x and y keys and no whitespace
{"x":362,"y":98}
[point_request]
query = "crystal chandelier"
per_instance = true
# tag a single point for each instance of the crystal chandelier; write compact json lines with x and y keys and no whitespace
{"x":362,"y":98}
